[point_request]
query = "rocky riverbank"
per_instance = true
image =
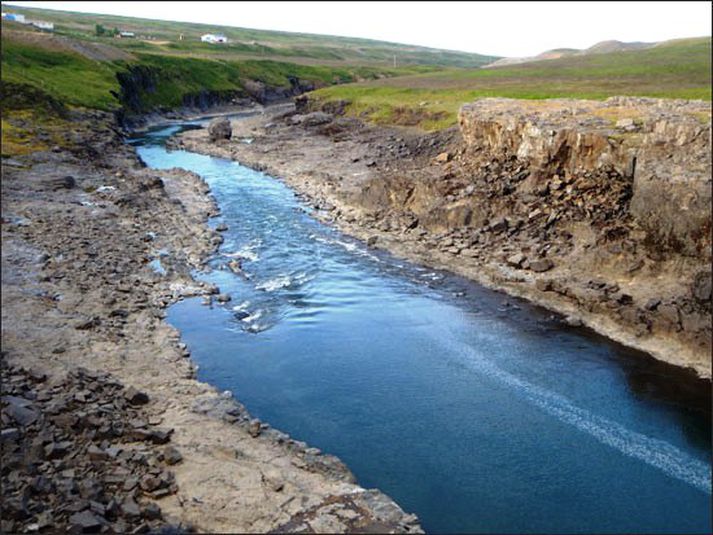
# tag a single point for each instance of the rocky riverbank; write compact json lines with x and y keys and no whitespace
{"x":104,"y":424}
{"x":600,"y":211}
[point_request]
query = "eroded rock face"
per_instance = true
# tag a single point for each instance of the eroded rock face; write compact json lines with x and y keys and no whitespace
{"x":596,"y":207}
{"x":661,"y":146}
{"x":219,"y":129}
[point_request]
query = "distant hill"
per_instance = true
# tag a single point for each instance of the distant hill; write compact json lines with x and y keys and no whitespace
{"x":603,"y":47}
{"x":679,"y":68}
{"x":183,"y":39}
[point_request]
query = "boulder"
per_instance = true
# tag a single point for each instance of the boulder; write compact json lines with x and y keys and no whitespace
{"x":85,"y":522}
{"x":57,"y":450}
{"x":130,"y":508}
{"x":541,"y":264}
{"x":151,"y":511}
{"x":516,"y":260}
{"x":20,"y":410}
{"x":172,"y":456}
{"x":444,"y":157}
{"x":219,"y":128}
{"x":573,"y":321}
{"x":135,"y":397}
{"x":235,"y":266}
{"x":254,"y":428}
{"x":499,"y":225}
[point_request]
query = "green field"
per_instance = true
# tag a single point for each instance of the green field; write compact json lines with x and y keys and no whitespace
{"x":675,"y":69}
{"x":162,"y":37}
{"x":77,"y":80}
{"x":68,"y":77}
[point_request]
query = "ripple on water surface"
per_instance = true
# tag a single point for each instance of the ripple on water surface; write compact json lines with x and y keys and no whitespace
{"x":476,"y":411}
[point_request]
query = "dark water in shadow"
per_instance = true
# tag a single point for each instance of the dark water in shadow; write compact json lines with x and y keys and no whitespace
{"x":476,"y":411}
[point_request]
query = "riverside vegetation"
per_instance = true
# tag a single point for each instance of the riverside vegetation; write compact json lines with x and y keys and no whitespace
{"x":82,"y":218}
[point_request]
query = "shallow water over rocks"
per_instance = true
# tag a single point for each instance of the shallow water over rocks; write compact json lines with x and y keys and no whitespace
{"x":476,"y":411}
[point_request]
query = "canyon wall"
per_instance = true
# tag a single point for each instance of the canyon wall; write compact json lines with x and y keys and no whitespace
{"x":661,"y":146}
{"x":602,"y":206}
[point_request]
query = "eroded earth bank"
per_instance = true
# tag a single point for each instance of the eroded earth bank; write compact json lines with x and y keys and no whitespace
{"x":598,"y":210}
{"x":104,"y":425}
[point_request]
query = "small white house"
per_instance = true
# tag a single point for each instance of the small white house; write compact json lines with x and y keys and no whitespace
{"x":214,"y":38}
{"x":127,"y":35}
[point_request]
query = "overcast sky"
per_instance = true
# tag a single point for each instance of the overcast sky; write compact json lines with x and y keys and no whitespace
{"x":497,"y":28}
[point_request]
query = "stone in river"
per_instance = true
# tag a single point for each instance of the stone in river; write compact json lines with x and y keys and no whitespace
{"x":220,"y":128}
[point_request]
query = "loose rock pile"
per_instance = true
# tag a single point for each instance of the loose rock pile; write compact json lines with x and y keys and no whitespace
{"x":81,"y":455}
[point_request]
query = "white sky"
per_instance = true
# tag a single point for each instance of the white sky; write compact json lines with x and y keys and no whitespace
{"x":497,"y":28}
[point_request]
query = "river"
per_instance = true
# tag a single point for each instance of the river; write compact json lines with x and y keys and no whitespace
{"x":472,"y":409}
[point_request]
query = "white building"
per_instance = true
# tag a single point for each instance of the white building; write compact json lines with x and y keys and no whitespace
{"x":214,"y":38}
{"x":14,"y":16}
{"x":129,"y":35}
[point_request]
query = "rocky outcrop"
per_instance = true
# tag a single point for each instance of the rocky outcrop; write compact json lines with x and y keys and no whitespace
{"x":662,"y":147}
{"x":139,"y":84}
{"x":204,"y":100}
{"x":265,"y":94}
{"x":599,"y":210}
{"x":133,"y":83}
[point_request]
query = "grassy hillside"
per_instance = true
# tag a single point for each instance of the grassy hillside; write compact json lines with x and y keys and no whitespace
{"x":76,"y":79}
{"x":675,"y":69}
{"x":164,"y":38}
{"x":43,"y":75}
{"x":66,"y":76}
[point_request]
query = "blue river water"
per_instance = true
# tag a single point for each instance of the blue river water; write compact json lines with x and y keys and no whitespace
{"x":474,"y":410}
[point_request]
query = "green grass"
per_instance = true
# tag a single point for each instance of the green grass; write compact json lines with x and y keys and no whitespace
{"x":419,"y":93}
{"x":181,"y":76}
{"x":678,"y":69}
{"x":245,"y":42}
{"x":70,"y":78}
{"x":26,"y":111}
{"x":78,"y":81}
